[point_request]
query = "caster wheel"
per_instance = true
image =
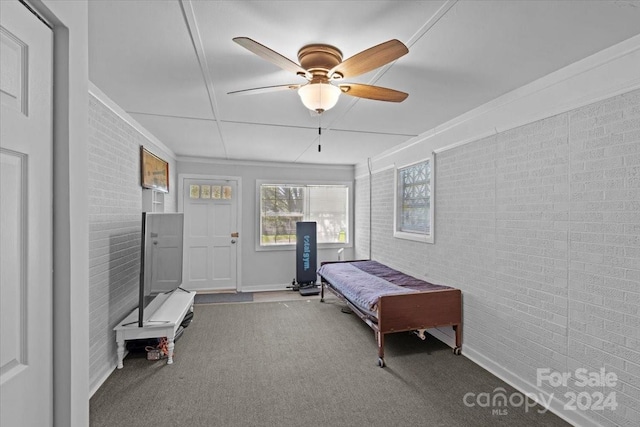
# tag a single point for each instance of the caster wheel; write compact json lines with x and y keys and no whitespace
{"x":381,"y":362}
{"x":457,"y":351}
{"x":321,"y":299}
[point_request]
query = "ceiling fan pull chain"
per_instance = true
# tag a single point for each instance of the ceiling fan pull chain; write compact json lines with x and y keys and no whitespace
{"x":319,"y":133}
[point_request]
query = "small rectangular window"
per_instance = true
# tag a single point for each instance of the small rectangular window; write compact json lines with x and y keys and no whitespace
{"x":414,"y":211}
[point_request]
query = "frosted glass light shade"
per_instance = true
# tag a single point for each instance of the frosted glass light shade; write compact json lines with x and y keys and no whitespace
{"x":319,"y":96}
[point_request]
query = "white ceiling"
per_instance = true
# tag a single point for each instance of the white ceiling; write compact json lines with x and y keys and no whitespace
{"x":170,"y":65}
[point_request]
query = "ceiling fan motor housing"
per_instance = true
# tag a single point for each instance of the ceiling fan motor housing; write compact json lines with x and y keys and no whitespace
{"x":318,"y":59}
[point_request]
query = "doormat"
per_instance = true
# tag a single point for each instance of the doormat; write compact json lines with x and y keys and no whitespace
{"x":223,"y":297}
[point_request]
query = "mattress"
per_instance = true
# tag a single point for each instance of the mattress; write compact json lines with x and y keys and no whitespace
{"x":364,"y":282}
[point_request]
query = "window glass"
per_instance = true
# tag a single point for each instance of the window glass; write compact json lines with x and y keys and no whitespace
{"x":282,"y":205}
{"x":414,"y":199}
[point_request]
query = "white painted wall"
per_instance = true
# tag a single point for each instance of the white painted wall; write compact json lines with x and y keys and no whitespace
{"x":267,"y":270}
{"x":537,"y":222}
{"x":115,"y":207}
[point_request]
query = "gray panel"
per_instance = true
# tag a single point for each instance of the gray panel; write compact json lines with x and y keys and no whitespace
{"x":13,"y":277}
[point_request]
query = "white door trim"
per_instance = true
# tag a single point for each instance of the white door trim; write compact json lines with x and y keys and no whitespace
{"x":181,"y":195}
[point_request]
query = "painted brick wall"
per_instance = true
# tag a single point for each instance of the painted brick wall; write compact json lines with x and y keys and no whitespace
{"x":465,"y":238}
{"x":604,"y":247}
{"x":361,"y":219}
{"x":532,"y":213}
{"x":540,"y":228}
{"x":115,"y":206}
{"x":405,"y":255}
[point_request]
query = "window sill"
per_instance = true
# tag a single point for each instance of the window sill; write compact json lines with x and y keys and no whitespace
{"x":424,"y":238}
{"x":292,"y":247}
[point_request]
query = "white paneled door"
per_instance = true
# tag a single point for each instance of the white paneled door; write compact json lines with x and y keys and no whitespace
{"x":26,"y":372}
{"x":210,"y":234}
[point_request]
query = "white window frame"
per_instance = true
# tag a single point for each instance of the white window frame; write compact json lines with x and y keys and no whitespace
{"x":292,"y":247}
{"x":406,"y":235}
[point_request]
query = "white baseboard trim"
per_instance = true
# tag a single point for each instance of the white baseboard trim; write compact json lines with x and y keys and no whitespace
{"x":265,"y":288}
{"x":104,"y":377}
{"x":449,"y":340}
{"x":576,"y":418}
{"x":247,"y":288}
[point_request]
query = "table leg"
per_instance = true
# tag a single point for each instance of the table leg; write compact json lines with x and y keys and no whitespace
{"x":170,"y":347}
{"x":120,"y":353}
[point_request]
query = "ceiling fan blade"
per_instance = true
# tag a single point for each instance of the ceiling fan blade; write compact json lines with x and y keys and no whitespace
{"x":265,"y":89}
{"x":370,"y":59}
{"x":373,"y":92}
{"x":270,"y":55}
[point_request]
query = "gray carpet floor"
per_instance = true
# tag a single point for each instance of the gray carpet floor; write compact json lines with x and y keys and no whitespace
{"x":223,"y":298}
{"x":299,"y":363}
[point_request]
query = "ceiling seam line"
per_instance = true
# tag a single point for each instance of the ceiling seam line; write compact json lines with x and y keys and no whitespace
{"x":431,"y":22}
{"x":196,"y":40}
{"x":314,"y":142}
{"x":272,"y":124}
{"x":412,"y":40}
{"x":314,"y":127}
{"x":172,"y":116}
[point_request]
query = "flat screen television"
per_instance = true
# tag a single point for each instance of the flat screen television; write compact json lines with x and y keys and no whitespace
{"x":160,"y":257}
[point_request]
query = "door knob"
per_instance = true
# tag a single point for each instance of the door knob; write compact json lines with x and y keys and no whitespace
{"x":233,"y":240}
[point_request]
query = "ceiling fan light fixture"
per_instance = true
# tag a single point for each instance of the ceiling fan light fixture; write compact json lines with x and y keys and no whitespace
{"x":319,"y":97}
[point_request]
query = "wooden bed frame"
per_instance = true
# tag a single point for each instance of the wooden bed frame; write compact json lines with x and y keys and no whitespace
{"x":414,"y":311}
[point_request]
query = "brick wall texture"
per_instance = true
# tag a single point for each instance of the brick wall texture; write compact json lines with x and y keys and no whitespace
{"x":539,"y":226}
{"x":115,"y":212}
